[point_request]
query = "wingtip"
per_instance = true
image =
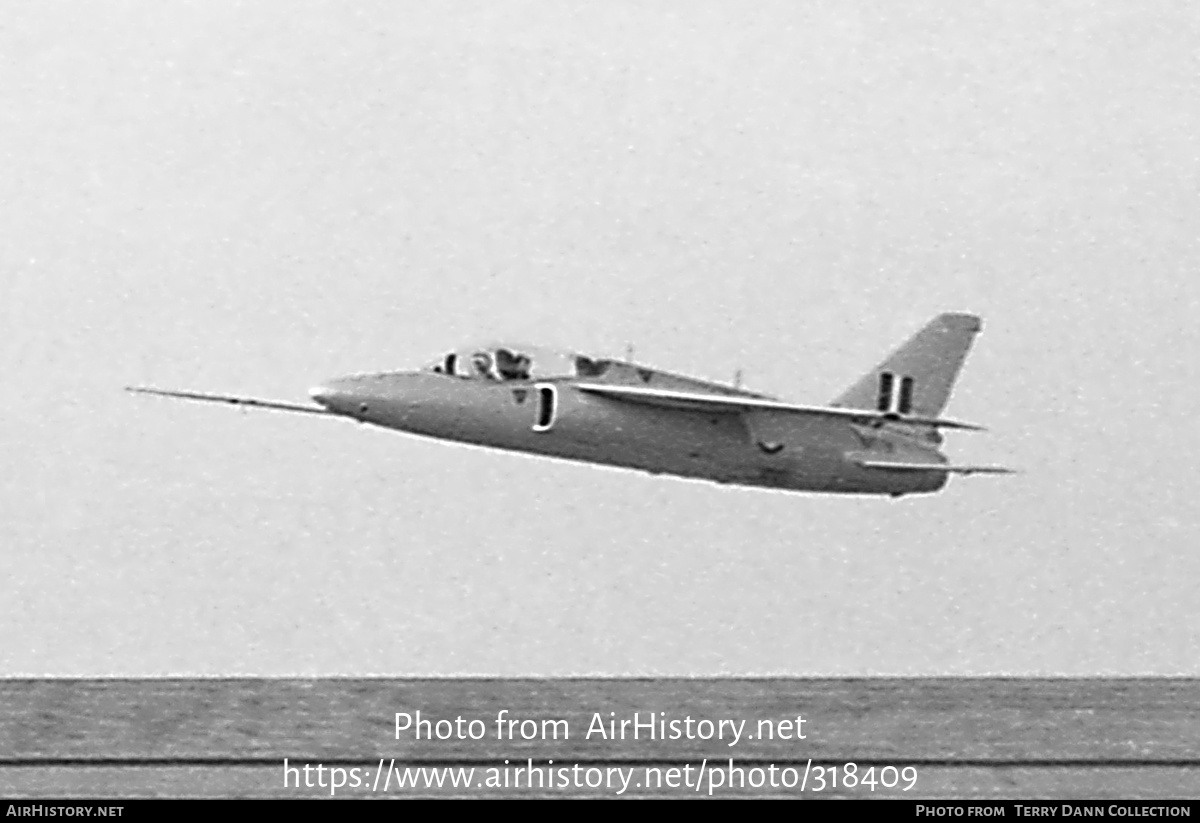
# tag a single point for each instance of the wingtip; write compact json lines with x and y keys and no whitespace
{"x":958,"y":424}
{"x":936,"y":422}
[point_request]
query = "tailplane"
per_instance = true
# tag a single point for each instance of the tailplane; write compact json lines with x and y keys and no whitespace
{"x":916,"y":379}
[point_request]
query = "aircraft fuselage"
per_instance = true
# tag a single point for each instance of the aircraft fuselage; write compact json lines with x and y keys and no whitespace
{"x":880,"y":436}
{"x":555,"y":419}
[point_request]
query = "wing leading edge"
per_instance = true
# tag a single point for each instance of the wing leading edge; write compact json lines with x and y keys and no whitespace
{"x":721,"y":404}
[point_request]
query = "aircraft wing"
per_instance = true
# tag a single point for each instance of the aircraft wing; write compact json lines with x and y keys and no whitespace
{"x":230,"y":399}
{"x":932,"y":467}
{"x":726,"y":404}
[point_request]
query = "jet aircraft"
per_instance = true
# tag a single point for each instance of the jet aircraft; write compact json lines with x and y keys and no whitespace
{"x":881,"y":436}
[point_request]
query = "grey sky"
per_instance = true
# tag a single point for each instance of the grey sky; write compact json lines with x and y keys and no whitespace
{"x":250,"y":197}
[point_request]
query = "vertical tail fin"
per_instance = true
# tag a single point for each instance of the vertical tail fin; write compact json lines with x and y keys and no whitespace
{"x":917,"y":377}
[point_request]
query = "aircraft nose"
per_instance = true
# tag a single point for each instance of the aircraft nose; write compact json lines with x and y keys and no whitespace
{"x":335,"y":395}
{"x":320,"y":394}
{"x":362,"y":396}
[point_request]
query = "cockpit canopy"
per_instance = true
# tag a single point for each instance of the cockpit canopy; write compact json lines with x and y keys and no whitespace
{"x":503,"y":363}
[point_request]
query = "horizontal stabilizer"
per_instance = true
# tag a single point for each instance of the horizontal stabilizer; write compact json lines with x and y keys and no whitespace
{"x":932,"y":467}
{"x":727,"y":404}
{"x":232,"y":400}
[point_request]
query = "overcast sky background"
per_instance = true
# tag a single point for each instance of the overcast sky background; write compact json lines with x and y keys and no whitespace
{"x":251,"y":197}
